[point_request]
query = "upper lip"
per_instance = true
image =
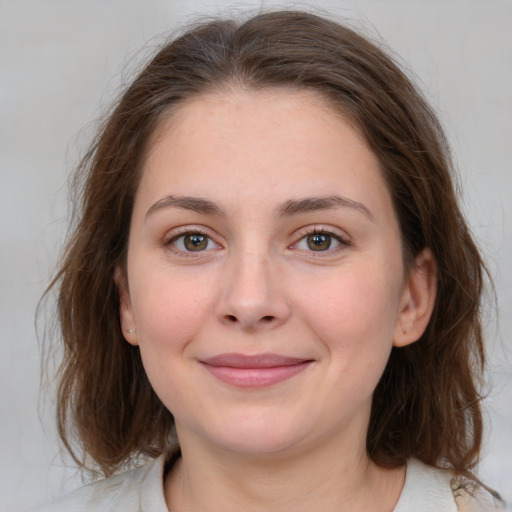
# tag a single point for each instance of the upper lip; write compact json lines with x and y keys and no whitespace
{"x":233,"y":360}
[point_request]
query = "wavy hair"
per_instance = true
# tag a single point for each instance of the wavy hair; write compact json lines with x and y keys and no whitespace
{"x":427,"y":403}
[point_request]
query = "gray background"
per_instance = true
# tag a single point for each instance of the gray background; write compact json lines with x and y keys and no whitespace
{"x":62,"y":61}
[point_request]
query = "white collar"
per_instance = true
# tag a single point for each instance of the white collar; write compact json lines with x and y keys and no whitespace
{"x":426,"y":489}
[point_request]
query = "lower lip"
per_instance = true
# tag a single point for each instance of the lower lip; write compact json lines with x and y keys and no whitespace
{"x":255,"y":377}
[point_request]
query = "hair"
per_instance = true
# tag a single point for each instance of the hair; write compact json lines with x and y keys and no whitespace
{"x":427,"y":403}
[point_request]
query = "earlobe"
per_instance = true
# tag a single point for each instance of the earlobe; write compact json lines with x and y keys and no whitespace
{"x":126,"y":316}
{"x":417,"y":301}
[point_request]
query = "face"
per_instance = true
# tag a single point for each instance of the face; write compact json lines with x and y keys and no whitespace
{"x":265,"y":277}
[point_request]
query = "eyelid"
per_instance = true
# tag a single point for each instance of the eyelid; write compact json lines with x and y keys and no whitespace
{"x":182,"y":231}
{"x":335,"y":233}
{"x":321,"y":228}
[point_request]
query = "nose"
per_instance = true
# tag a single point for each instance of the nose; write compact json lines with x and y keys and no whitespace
{"x":252,"y":297}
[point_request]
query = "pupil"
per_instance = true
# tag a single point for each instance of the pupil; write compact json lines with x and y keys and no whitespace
{"x":195,"y":242}
{"x":319,"y":242}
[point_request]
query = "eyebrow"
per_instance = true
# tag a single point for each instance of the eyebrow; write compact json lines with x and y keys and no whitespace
{"x":287,"y":209}
{"x":311,"y":204}
{"x":195,"y":204}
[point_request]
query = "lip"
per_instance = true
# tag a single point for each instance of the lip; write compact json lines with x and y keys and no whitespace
{"x":254,"y":371}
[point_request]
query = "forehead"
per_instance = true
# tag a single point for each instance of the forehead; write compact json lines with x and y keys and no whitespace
{"x":236,"y":111}
{"x":241,"y":104}
{"x":251,"y":141}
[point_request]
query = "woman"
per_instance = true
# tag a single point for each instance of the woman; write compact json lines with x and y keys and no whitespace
{"x":271,"y":290}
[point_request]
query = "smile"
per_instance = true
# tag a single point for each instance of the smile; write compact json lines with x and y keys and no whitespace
{"x":254,"y":371}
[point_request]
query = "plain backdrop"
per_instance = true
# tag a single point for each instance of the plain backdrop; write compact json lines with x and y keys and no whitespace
{"x":61,"y":62}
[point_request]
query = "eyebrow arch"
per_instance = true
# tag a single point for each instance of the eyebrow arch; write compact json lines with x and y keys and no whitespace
{"x":311,"y":204}
{"x":195,"y":204}
{"x":287,"y":209}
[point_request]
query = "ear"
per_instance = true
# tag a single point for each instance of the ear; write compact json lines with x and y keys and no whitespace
{"x":417,"y":301}
{"x":126,"y":315}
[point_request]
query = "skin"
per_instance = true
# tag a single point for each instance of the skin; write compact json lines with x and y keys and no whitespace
{"x":257,"y":287}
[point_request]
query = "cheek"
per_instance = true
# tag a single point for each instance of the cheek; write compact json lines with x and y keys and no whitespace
{"x":353,"y":312}
{"x":169,"y":310}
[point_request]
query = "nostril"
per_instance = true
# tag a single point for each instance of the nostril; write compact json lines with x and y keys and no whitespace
{"x":248,"y":322}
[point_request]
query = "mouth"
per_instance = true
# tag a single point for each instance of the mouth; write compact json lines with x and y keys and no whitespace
{"x":256,"y":371}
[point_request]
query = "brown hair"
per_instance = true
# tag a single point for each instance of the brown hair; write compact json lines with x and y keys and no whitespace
{"x":426,"y":404}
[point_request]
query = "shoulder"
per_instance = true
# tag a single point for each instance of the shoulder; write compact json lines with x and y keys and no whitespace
{"x":132,"y":491}
{"x":427,"y":488}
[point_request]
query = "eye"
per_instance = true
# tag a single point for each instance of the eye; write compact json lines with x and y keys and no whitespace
{"x":320,"y":241}
{"x":192,"y":242}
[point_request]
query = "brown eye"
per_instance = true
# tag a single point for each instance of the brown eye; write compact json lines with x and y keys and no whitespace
{"x":319,"y":241}
{"x":195,"y":242}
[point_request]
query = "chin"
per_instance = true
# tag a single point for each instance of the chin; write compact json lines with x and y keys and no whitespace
{"x":257,"y":446}
{"x":253,"y":438}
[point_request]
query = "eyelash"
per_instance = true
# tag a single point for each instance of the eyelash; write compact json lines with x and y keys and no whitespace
{"x":343,"y":241}
{"x":182,"y":234}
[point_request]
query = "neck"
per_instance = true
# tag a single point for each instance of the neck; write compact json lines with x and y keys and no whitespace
{"x":208,"y":480}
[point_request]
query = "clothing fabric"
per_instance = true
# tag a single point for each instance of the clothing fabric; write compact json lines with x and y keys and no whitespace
{"x":426,"y":489}
{"x":138,"y":490}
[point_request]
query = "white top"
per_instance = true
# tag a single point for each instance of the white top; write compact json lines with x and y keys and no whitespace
{"x":426,"y":489}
